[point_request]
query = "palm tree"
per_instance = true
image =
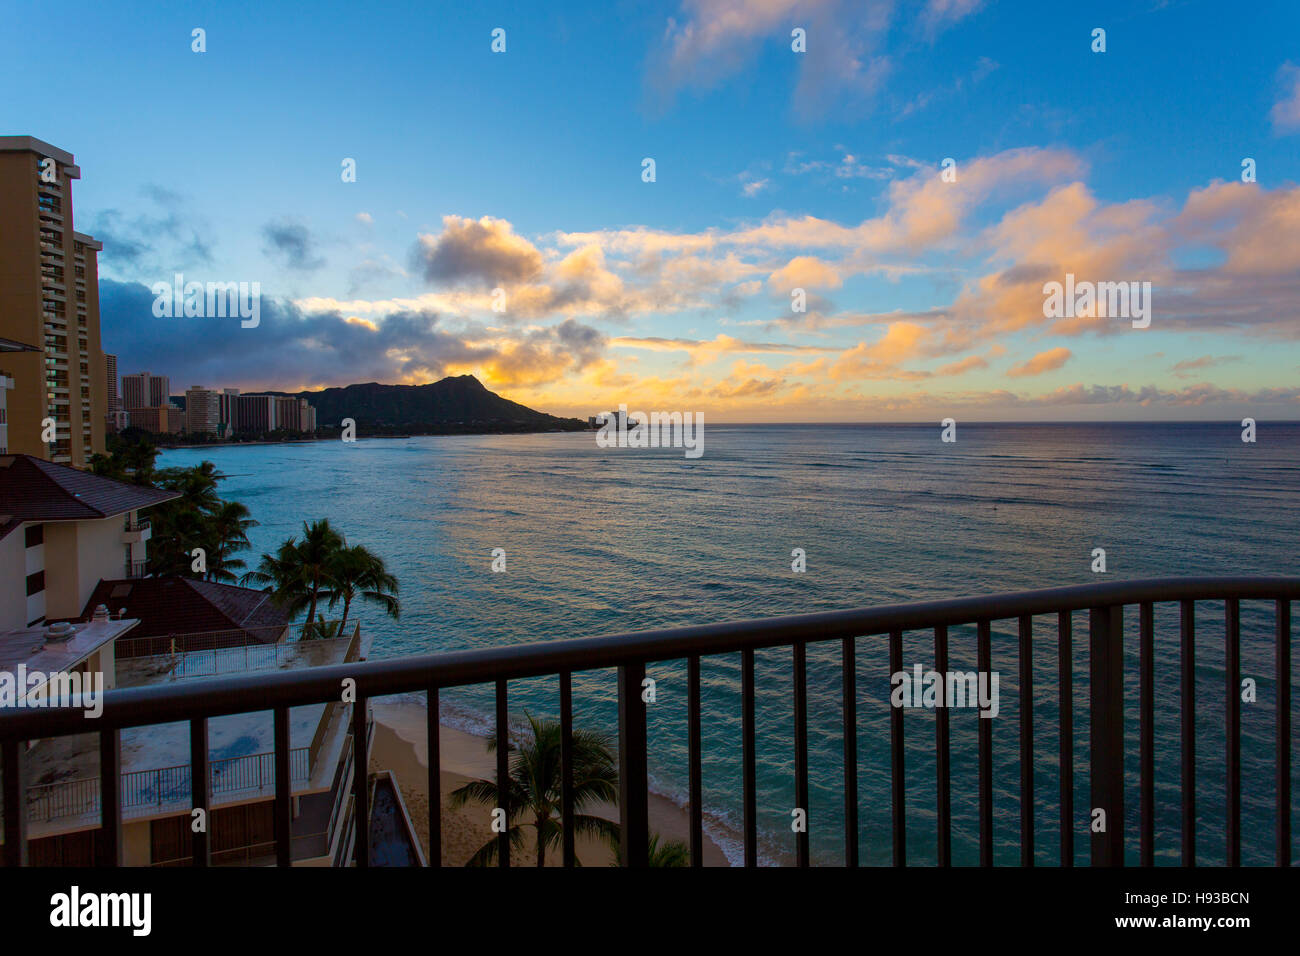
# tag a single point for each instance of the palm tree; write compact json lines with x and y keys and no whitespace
{"x":667,"y":853}
{"x":227,"y":534}
{"x":533,"y":791}
{"x":358,"y":573}
{"x":300,"y":573}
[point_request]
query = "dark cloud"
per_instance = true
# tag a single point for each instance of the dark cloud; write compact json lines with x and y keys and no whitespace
{"x":152,"y":243}
{"x":292,"y":244}
{"x":291,"y":348}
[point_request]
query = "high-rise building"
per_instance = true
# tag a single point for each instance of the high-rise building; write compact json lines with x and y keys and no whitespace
{"x":143,"y":390}
{"x":228,"y":412}
{"x":115,"y":419}
{"x":257,"y":413}
{"x":49,"y":297}
{"x":161,"y":419}
{"x":6,"y":385}
{"x":288,"y":413}
{"x":202,"y":410}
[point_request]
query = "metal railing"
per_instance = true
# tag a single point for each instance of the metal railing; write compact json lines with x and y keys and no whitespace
{"x":237,"y":659}
{"x":630,"y":653}
{"x":136,"y":569}
{"x":167,"y":644}
{"x":144,"y":790}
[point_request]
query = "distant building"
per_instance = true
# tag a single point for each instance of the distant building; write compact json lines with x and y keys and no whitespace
{"x":288,"y":414}
{"x":202,"y":410}
{"x":257,"y":413}
{"x":143,"y":390}
{"x":115,"y":417}
{"x":161,"y":420}
{"x":228,"y":412}
{"x":49,"y":297}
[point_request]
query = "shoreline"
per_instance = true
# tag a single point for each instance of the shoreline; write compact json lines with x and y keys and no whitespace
{"x":400,"y":746}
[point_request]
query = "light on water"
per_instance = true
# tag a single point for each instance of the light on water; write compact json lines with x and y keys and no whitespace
{"x":603,"y":540}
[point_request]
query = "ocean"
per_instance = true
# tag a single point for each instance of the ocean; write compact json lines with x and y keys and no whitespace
{"x":606,"y":540}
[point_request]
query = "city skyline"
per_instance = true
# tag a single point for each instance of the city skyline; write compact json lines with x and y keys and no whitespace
{"x":775,"y":170}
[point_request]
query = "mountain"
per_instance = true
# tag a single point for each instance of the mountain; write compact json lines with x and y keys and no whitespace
{"x":458,"y":403}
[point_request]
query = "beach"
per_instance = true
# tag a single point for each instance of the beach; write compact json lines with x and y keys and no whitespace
{"x":400,"y":745}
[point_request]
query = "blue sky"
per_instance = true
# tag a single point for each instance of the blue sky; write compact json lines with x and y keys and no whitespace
{"x":522,"y":171}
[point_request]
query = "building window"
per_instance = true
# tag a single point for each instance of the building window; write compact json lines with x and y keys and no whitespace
{"x":35,"y":583}
{"x":35,"y":535}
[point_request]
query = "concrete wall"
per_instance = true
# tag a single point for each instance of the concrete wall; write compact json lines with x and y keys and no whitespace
{"x":13,"y":581}
{"x":77,"y":555}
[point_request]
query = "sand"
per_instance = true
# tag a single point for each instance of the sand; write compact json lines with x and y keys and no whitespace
{"x":400,"y":746}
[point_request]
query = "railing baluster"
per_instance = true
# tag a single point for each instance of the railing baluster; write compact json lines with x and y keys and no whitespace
{"x":984,"y":661}
{"x":633,"y":772}
{"x":1065,"y":691}
{"x":200,"y":791}
{"x":283,"y":791}
{"x":800,"y":668}
{"x":566,"y":769}
{"x":108,"y":851}
{"x":15,"y":801}
{"x":1187,"y":694}
{"x":898,"y":805}
{"x":1106,"y":709}
{"x":1282,"y":770}
{"x":943,"y":795}
{"x":1146,"y":730}
{"x":1026,"y":654}
{"x":693,"y":747}
{"x":1232,"y":727}
{"x":749,"y":771}
{"x":360,"y":783}
{"x":849,"y":703}
{"x":503,"y":772}
{"x":433,"y":735}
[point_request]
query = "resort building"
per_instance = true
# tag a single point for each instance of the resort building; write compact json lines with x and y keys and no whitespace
{"x":202,"y":410}
{"x":74,"y":602}
{"x":49,"y":296}
{"x":161,"y":420}
{"x":143,"y":390}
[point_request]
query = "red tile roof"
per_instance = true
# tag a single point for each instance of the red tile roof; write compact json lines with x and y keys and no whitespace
{"x":175,"y":605}
{"x":32,"y":489}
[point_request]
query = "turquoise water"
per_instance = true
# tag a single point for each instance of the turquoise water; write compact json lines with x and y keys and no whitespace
{"x":608,"y":540}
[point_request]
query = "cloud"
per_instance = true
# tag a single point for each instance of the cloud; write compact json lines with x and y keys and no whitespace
{"x":1286,"y":111}
{"x":154,"y":242}
{"x":940,"y":14}
{"x":715,"y":39}
{"x":1042,"y":362}
{"x":486,"y":250}
{"x":293,"y":348}
{"x":804,"y":272}
{"x":292,"y":244}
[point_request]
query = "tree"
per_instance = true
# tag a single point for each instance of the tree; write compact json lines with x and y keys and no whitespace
{"x":666,"y":853}
{"x":301,"y":572}
{"x":534,"y":789}
{"x":358,"y":573}
{"x":227,"y":535}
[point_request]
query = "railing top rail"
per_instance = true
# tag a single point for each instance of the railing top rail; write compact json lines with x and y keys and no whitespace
{"x":254,"y":693}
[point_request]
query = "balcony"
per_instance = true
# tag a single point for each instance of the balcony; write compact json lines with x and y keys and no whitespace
{"x":136,"y":569}
{"x":835,"y":637}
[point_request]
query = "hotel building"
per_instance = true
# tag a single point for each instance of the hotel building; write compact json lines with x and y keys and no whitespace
{"x":75,"y":599}
{"x":49,"y":297}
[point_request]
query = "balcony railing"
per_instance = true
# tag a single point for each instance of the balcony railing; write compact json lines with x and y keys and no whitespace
{"x":145,"y":791}
{"x":630,"y":653}
{"x":136,"y":569}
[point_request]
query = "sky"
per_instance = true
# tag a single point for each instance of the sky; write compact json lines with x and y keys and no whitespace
{"x":914,"y":177}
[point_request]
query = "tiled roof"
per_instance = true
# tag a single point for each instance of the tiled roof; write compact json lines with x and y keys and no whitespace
{"x":177,"y":605}
{"x":32,"y":489}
